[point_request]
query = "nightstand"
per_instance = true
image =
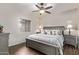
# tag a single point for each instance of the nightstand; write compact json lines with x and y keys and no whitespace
{"x":78,"y":41}
{"x":70,"y":39}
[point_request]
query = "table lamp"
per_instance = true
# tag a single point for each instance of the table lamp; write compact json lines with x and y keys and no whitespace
{"x":69,"y":27}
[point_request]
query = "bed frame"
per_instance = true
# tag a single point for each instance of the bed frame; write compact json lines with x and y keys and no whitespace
{"x":45,"y":48}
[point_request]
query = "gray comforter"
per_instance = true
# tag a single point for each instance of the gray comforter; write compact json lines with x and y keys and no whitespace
{"x":53,"y":40}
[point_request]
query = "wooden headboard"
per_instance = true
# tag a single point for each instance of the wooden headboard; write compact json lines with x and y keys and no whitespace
{"x":54,"y":27}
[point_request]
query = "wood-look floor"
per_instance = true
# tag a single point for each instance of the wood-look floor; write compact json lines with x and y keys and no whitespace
{"x":70,"y":50}
{"x":23,"y":50}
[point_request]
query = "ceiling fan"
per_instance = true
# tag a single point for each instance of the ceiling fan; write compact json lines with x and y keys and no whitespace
{"x":42,"y":8}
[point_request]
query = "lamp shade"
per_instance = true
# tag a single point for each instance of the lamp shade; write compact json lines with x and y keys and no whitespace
{"x":40,"y":27}
{"x":69,"y":26}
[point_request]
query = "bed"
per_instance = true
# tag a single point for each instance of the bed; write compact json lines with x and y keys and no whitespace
{"x":45,"y":43}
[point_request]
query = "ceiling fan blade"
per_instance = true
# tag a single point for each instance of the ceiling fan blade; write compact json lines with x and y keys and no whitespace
{"x":48,"y":12}
{"x":38,"y":6}
{"x":35,"y":11}
{"x":48,"y":7}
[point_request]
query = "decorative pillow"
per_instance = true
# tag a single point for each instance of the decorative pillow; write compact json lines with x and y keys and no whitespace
{"x":47,"y":31}
{"x":56,"y":32}
{"x":44,"y":32}
{"x":60,"y":32}
{"x":51,"y":32}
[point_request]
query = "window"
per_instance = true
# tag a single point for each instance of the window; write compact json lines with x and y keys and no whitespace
{"x":25,"y":25}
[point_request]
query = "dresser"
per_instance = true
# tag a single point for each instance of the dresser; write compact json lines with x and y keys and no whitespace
{"x":4,"y":43}
{"x":71,"y":40}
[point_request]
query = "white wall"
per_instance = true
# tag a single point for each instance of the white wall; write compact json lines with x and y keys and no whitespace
{"x":10,"y":14}
{"x":9,"y":18}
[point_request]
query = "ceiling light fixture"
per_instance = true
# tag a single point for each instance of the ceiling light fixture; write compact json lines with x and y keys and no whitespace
{"x":42,"y":8}
{"x":42,"y":11}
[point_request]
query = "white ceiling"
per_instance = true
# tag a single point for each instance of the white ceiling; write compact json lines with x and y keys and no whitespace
{"x":27,"y":8}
